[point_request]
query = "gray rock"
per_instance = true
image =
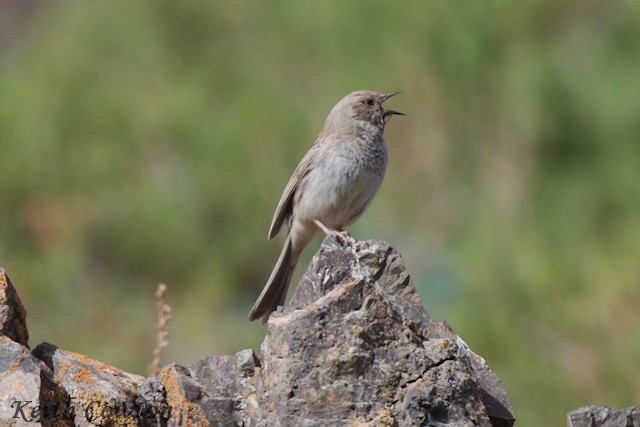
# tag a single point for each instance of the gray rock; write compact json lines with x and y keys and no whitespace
{"x":602,"y":416}
{"x":13,"y":316}
{"x":356,"y":346}
{"x":21,"y":379}
{"x":379,"y":264}
{"x":217,"y":389}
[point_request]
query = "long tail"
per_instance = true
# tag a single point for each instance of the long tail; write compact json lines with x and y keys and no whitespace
{"x":275,"y":291}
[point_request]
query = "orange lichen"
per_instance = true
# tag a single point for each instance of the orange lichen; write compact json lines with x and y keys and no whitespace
{"x":84,"y":376}
{"x":185,"y":413}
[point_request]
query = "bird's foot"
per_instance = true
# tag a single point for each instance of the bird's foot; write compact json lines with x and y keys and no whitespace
{"x":340,"y":233}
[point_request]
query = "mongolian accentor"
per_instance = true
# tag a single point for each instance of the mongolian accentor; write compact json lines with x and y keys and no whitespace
{"x":331,"y":187}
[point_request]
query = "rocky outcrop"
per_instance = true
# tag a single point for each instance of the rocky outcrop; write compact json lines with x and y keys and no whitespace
{"x":354,"y":348}
{"x":360,"y":348}
{"x":602,"y":416}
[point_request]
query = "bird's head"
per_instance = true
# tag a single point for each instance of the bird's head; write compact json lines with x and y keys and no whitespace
{"x":366,"y":105}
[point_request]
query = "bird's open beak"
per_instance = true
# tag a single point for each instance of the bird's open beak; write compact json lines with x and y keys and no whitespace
{"x":391,"y":112}
{"x":389,"y":95}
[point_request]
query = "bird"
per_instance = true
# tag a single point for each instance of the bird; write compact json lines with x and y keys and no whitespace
{"x":331,"y":187}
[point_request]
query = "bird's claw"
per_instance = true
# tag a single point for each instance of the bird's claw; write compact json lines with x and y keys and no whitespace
{"x":345,"y":237}
{"x":338,"y":234}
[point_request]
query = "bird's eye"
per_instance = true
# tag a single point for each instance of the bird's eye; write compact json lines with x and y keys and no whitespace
{"x":369,"y":101}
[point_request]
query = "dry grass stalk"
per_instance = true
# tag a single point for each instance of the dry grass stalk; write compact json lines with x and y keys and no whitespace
{"x":162,"y":331}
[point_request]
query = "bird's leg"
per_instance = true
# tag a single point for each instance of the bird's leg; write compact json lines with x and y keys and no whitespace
{"x":340,"y":233}
{"x":323,"y":227}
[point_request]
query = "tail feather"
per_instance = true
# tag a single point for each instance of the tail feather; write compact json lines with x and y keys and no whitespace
{"x":275,"y":291}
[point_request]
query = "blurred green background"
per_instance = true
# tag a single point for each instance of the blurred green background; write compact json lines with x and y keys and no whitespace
{"x":149,"y":141}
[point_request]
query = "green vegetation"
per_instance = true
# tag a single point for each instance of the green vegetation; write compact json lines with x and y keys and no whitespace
{"x":149,"y":141}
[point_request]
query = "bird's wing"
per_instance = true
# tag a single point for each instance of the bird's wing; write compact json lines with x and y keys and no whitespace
{"x":285,"y":206}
